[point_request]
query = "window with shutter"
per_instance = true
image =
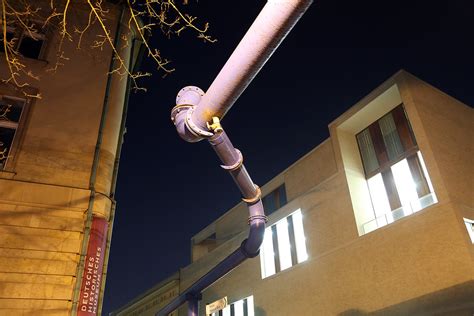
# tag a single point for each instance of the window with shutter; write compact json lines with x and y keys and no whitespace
{"x":397,"y":178}
{"x":284,"y":245}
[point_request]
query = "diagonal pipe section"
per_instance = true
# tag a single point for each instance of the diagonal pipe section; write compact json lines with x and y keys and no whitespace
{"x":197,"y":114}
{"x":233,"y":162}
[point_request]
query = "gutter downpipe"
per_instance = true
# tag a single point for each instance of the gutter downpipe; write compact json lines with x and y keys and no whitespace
{"x":118,"y":153}
{"x":197,"y":116}
{"x":93,"y":176}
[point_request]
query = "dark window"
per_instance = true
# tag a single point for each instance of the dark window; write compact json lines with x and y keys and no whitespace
{"x":30,"y":47}
{"x":10,"y":35}
{"x":274,"y":200}
{"x":29,"y":44}
{"x":386,"y":141}
{"x":10,"y":114}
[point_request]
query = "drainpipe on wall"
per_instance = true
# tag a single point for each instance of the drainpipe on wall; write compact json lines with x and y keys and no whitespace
{"x":95,"y":225}
{"x":133,"y":67}
{"x":197,"y":116}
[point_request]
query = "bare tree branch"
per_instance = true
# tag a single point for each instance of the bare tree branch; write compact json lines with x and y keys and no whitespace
{"x":146,"y":17}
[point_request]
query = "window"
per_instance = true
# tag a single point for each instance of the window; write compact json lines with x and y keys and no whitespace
{"x":470,"y":228}
{"x":396,"y":174}
{"x":284,"y":245}
{"x":243,"y":307}
{"x":274,"y":200}
{"x":10,"y":113}
{"x":27,"y":43}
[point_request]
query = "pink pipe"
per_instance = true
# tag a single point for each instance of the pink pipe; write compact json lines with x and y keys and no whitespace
{"x":274,"y":22}
{"x":194,"y":110}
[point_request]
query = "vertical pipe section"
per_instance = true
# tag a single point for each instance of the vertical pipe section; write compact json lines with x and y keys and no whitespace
{"x":233,"y":162}
{"x":274,"y":22}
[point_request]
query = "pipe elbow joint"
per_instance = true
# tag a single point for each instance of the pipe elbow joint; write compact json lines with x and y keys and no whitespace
{"x":182,"y":115}
{"x":247,"y":252}
{"x":257,"y":220}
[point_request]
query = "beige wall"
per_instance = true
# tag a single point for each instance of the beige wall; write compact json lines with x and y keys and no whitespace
{"x":41,"y":234}
{"x":45,"y":191}
{"x":447,"y":127}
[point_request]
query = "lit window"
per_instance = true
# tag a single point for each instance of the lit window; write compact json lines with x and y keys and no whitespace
{"x":470,"y":228}
{"x":397,"y":178}
{"x":274,"y":200}
{"x":10,"y":114}
{"x":243,"y":307}
{"x":28,"y":43}
{"x":284,"y":245}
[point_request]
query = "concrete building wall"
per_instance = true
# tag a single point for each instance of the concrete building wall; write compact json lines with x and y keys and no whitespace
{"x":421,"y":264}
{"x":46,"y":191}
{"x":403,"y":268}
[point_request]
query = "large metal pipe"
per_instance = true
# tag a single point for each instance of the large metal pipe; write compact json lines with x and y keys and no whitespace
{"x":193,"y":306}
{"x":274,"y":22}
{"x":197,"y":115}
{"x":232,"y":161}
{"x":217,"y":272}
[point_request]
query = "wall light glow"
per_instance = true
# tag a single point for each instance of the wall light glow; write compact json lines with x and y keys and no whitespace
{"x":406,"y":187}
{"x":284,"y":244}
{"x":267,"y":255}
{"x":299,"y":236}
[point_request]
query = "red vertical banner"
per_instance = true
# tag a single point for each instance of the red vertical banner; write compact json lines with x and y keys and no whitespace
{"x":93,"y":266}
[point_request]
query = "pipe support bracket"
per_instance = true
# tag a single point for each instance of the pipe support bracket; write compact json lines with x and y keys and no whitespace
{"x":257,"y":196}
{"x":237,"y":164}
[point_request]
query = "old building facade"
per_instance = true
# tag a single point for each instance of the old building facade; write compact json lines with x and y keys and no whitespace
{"x":378,"y":219}
{"x":58,"y":168}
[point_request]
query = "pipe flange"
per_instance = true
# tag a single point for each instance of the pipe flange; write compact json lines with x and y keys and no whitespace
{"x":253,"y":217}
{"x":187,"y":90}
{"x":193,"y":128}
{"x":177,"y":109}
{"x":257,"y":196}
{"x":236,"y":165}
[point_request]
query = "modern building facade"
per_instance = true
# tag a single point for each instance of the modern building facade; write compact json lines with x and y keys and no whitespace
{"x":58,"y":167}
{"x":378,"y":219}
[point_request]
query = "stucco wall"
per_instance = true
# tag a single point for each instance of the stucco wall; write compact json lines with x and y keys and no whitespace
{"x":397,"y":263}
{"x":447,"y":126}
{"x":45,"y":189}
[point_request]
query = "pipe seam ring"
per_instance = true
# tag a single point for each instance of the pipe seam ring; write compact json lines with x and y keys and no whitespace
{"x":257,"y":196}
{"x":236,"y":165}
{"x":193,"y":128}
{"x":254,"y":217}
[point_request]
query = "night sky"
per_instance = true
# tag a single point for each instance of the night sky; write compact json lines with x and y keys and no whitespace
{"x":168,"y":190}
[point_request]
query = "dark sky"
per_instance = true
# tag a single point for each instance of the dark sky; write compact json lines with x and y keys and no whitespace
{"x":168,"y":190}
